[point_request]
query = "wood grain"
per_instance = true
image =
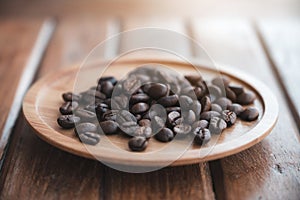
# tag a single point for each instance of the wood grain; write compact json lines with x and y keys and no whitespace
{"x":14,"y":53}
{"x":270,"y":169}
{"x":281,"y":42}
{"x":36,"y":170}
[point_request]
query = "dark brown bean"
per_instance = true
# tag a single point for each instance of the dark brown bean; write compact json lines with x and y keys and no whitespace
{"x":110,"y":115}
{"x":89,"y":138}
{"x":216,"y":107}
{"x":230,"y":94}
{"x":165,"y":135}
{"x":185,"y":102}
{"x":196,"y":107}
{"x":68,"y":121}
{"x":189,"y":117}
{"x":119,"y":102}
{"x":68,"y":107}
{"x":157,"y":90}
{"x":246,"y":98}
{"x":223,"y":102}
{"x":85,"y":127}
{"x":237,"y":89}
{"x":214,"y":92}
{"x":229,"y":117}
{"x":140,"y":97}
{"x":168,"y":101}
{"x":170,"y":109}
{"x":217,"y":125}
{"x":205,"y":104}
{"x":69,"y":96}
{"x":139,"y":108}
{"x":182,"y":129}
{"x":145,"y":122}
{"x":199,"y":92}
{"x":109,"y":127}
{"x":221,"y":81}
{"x":202,"y":135}
{"x":201,"y":123}
{"x":172,"y":116}
{"x":138,"y":143}
{"x":157,"y":123}
{"x":194,"y":79}
{"x":209,"y":114}
{"x":85,"y":115}
{"x":107,"y":88}
{"x":249,"y":114}
{"x":143,"y":131}
{"x":111,"y":79}
{"x":236,"y":108}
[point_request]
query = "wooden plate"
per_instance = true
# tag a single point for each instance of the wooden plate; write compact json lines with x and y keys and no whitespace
{"x":42,"y":101}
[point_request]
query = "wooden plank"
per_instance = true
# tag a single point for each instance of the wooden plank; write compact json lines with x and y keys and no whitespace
{"x":14,"y":51}
{"x":187,"y":182}
{"x":281,"y":41}
{"x":270,"y":169}
{"x":36,"y":170}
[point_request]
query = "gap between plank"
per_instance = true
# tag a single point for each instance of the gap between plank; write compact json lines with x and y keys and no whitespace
{"x":276,"y":72}
{"x":26,"y":79}
{"x":217,"y":177}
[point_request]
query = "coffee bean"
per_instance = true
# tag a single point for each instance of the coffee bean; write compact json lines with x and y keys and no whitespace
{"x":205,"y":104}
{"x":110,"y":115}
{"x":221,"y":81}
{"x":199,"y":92}
{"x":140,"y":97}
{"x":138,"y":143}
{"x":157,"y":124}
{"x":119,"y":102}
{"x":107,"y":88}
{"x":109,"y":127}
{"x":101,"y":108}
{"x":68,"y":107}
{"x":223,"y":102}
{"x":89,"y":138}
{"x":246,"y":98}
{"x":125,"y":116}
{"x":139,"y":108}
{"x":143,"y":131}
{"x":178,"y":121}
{"x":85,"y":115}
{"x":170,"y":109}
{"x":131,"y":84}
{"x":182,"y":129}
{"x":217,"y":125}
{"x":165,"y":135}
{"x":230,"y":94}
{"x":201,"y":123}
{"x":111,"y":79}
{"x":157,"y":90}
{"x":194,"y":79}
{"x":69,"y":96}
{"x":249,"y":114}
{"x":229,"y":117}
{"x":185,"y":102}
{"x":236,"y":89}
{"x":196,"y":107}
{"x":208,"y":115}
{"x":129,"y":127}
{"x":85,"y":127}
{"x":172,"y":116}
{"x":202,"y":135}
{"x":236,"y":108}
{"x":168,"y":101}
{"x":214,"y":92}
{"x":145,"y":122}
{"x":146,"y":87}
{"x":138,"y":117}
{"x":68,"y":121}
{"x":189,"y":117}
{"x":216,"y":107}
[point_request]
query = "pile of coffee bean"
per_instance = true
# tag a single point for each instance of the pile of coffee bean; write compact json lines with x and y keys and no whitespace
{"x":152,"y":103}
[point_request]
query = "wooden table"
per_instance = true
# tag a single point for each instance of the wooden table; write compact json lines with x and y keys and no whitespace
{"x":267,"y":49}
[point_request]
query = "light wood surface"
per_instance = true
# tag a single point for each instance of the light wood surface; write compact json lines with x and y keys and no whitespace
{"x":44,"y":98}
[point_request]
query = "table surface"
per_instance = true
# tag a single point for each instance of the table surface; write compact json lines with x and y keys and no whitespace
{"x":265,"y":48}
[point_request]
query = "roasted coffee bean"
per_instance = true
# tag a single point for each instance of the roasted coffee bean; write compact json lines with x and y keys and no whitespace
{"x":138,"y":117}
{"x":249,"y":114}
{"x":236,"y":89}
{"x":199,"y":92}
{"x":138,"y":143}
{"x":68,"y":121}
{"x":89,"y":138}
{"x":236,"y":108}
{"x":178,"y":121}
{"x":85,"y":115}
{"x":216,"y":107}
{"x":196,"y":107}
{"x":101,"y":108}
{"x":157,"y":90}
{"x":223,"y":102}
{"x":146,"y":87}
{"x":221,"y":81}
{"x":208,"y":115}
{"x":229,"y":117}
{"x":201,"y":123}
{"x":157,"y":124}
{"x":129,"y":127}
{"x":145,"y":122}
{"x":170,"y":109}
{"x":165,"y":135}
{"x":214,"y":92}
{"x":185,"y":102}
{"x":119,"y":102}
{"x":140,"y":97}
{"x":110,"y":115}
{"x":194,"y":79}
{"x":68,"y":107}
{"x":182,"y":129}
{"x":107,"y":88}
{"x":168,"y":101}
{"x":69,"y":96}
{"x":246,"y":98}
{"x":131,"y":84}
{"x":217,"y":125}
{"x":85,"y":127}
{"x":111,"y":79}
{"x":109,"y":127}
{"x":143,"y":131}
{"x":125,"y":116}
{"x":139,"y":108}
{"x":189,"y":117}
{"x":205,"y":104}
{"x":230,"y":94}
{"x":91,"y":107}
{"x":202,"y":135}
{"x":172,"y":116}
